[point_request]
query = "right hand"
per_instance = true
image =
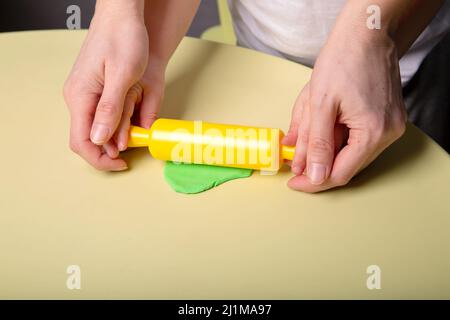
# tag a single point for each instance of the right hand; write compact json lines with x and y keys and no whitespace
{"x":111,"y":77}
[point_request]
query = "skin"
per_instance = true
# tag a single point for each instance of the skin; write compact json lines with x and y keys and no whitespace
{"x":362,"y":96}
{"x":341,"y":121}
{"x":117,"y":76}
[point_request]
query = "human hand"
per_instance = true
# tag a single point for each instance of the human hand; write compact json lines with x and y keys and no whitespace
{"x":351,"y":110}
{"x":111,"y":77}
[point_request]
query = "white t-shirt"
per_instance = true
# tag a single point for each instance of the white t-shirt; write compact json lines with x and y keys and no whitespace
{"x":298,"y":29}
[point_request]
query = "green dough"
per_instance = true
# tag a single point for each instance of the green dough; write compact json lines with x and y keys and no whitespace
{"x":196,"y":178}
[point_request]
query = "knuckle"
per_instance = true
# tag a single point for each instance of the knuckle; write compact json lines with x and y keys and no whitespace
{"x":96,"y":163}
{"x":128,"y":113}
{"x":292,"y":131}
{"x":361,"y":143}
{"x":134,"y":95}
{"x":398,"y":131}
{"x":321,"y":145}
{"x":341,"y":181}
{"x":385,"y":126}
{"x":150,"y":114}
{"x":302,"y":99}
{"x":378,"y":134}
{"x":293,"y":126}
{"x":134,"y":92}
{"x":107,"y":108}
{"x":303,"y":137}
{"x":68,"y":90}
{"x":74,"y":146}
{"x":131,"y":96}
{"x":98,"y":166}
{"x":376,"y":127}
{"x":399,"y":128}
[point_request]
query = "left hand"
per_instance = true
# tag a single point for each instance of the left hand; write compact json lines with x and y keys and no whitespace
{"x":351,"y":110}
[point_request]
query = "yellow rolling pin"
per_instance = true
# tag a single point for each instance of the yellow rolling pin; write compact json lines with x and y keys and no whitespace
{"x":213,"y":144}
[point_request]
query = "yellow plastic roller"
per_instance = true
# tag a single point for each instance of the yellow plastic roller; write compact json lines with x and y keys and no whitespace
{"x":213,"y":144}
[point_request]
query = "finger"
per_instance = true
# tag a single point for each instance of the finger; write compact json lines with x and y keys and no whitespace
{"x":111,"y":149}
{"x":133,"y":97}
{"x":109,"y":109}
{"x":320,"y":153}
{"x":340,"y":138}
{"x":298,"y":165}
{"x":348,"y":162}
{"x":81,"y":144}
{"x":150,"y":106}
{"x":296,"y":116}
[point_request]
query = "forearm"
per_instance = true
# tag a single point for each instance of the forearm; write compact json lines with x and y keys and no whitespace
{"x":167,"y":22}
{"x":401,"y":21}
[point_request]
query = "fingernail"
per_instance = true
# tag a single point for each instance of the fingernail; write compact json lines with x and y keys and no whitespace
{"x":99,"y":133}
{"x":295,"y":169}
{"x":122,"y":146}
{"x":121,"y":169}
{"x":316,"y":173}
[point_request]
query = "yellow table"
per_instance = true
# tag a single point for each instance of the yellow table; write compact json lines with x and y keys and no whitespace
{"x":252,"y":238}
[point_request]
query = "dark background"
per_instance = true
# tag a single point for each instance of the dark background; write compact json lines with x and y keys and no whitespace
{"x":17,"y":15}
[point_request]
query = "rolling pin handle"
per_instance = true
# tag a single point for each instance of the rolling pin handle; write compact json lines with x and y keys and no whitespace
{"x":139,"y":137}
{"x":287,"y":152}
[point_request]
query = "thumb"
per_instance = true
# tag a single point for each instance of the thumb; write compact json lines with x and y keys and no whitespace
{"x":109,"y":109}
{"x":320,"y":153}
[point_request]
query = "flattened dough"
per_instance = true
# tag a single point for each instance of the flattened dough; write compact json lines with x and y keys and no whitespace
{"x":196,"y":178}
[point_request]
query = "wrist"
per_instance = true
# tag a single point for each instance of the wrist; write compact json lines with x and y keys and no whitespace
{"x":114,"y":8}
{"x":353,"y":28}
{"x":156,"y":64}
